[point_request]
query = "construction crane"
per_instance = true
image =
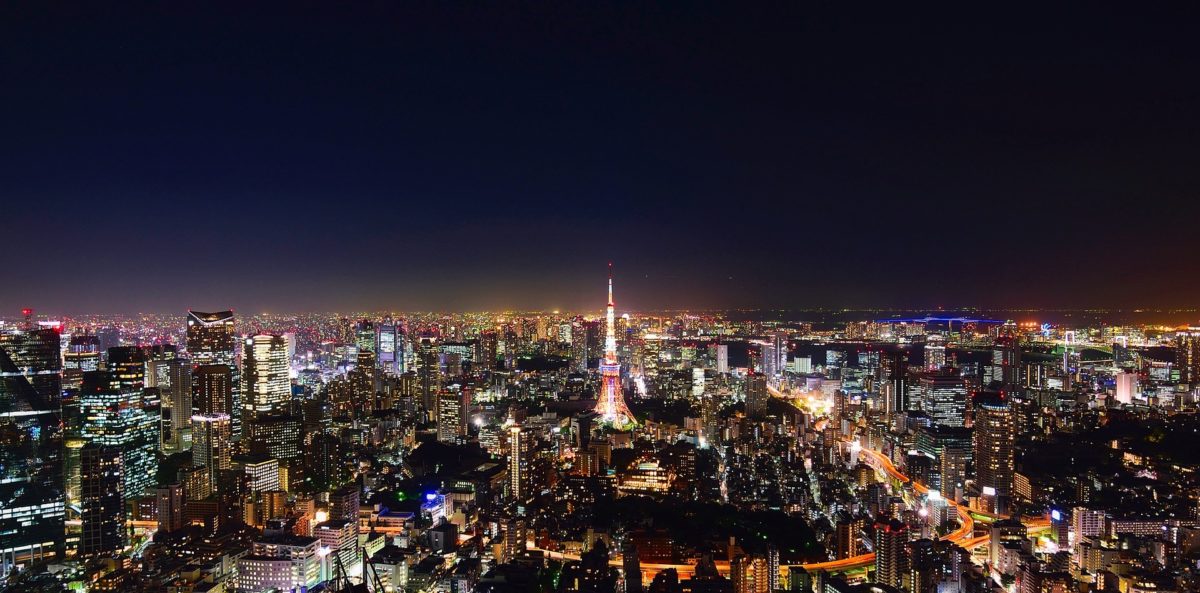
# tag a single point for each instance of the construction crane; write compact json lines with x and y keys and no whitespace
{"x":342,"y":583}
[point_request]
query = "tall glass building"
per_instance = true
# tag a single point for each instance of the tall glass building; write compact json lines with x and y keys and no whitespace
{"x":268,"y":387}
{"x":32,"y":500}
{"x":113,"y":416}
{"x":212,"y":340}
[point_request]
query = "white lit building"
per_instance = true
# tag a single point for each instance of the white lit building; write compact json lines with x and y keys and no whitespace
{"x":283,"y":563}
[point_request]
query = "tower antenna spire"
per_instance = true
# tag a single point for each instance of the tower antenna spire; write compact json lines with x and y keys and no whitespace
{"x":610,"y":406}
{"x":610,"y":299}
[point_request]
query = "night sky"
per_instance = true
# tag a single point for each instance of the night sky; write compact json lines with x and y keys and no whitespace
{"x":371,"y":155}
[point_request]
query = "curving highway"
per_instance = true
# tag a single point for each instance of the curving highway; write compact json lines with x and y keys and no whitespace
{"x":963,"y":536}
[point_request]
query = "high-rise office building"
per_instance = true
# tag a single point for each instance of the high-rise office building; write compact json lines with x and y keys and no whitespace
{"x":651,"y":351}
{"x":212,"y":389}
{"x":895,"y":387}
{"x":943,"y":397}
{"x":113,"y":416}
{"x":1006,"y":363}
{"x":428,"y":373}
{"x":774,"y":354}
{"x":995,"y":433}
{"x":1187,"y":354}
{"x":364,"y":378}
{"x":172,"y":378}
{"x":768,"y":358}
{"x":277,"y":435}
{"x":82,"y":355}
{"x":952,"y":448}
{"x":266,"y":385}
{"x":211,"y":337}
{"x":756,"y":395}
{"x":891,"y":540}
{"x":935,"y":353}
{"x":212,"y":340}
{"x":170,"y":500}
{"x":72,"y":445}
{"x":102,"y":500}
{"x":32,"y":500}
{"x":579,"y":346}
{"x":1126,"y":387}
{"x":109,"y":337}
{"x":211,"y":444}
{"x":519,"y":453}
{"x":594,"y":339}
{"x":262,"y":473}
{"x":453,"y":403}
{"x":127,"y":366}
{"x":488,"y":345}
{"x":387,"y":337}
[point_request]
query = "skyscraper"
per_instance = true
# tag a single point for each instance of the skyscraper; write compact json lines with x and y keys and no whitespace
{"x":891,"y":539}
{"x":387,"y":337}
{"x":1187,"y":354}
{"x":211,"y":436}
{"x":83,"y":354}
{"x":267,"y":387}
{"x":364,"y":377}
{"x":611,"y":404}
{"x":518,"y":463}
{"x":453,"y":403}
{"x":32,"y":501}
{"x":756,"y":395}
{"x":172,"y":377}
{"x":113,"y":416}
{"x":579,"y":346}
{"x":952,"y":447}
{"x":102,"y":498}
{"x":1006,"y":363}
{"x":212,"y":389}
{"x":767,"y":358}
{"x":428,"y":373}
{"x":774,"y":354}
{"x":212,"y":340}
{"x":127,"y":365}
{"x":1126,"y":387}
{"x":489,"y":342}
{"x":895,"y":390}
{"x":935,"y":353}
{"x":942,"y":396}
{"x":994,"y":436}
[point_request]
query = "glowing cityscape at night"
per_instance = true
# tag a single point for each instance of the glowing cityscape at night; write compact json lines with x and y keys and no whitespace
{"x":599,"y":298}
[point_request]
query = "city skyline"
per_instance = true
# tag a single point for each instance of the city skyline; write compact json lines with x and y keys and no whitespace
{"x":906,"y":452}
{"x":634,"y":297}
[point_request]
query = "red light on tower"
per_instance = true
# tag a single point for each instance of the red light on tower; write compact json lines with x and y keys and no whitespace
{"x":27,"y":313}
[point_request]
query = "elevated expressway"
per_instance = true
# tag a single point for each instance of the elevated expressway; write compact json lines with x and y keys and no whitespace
{"x":963,"y":536}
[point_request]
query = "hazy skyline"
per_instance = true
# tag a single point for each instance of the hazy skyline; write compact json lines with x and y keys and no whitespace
{"x":463,"y":157}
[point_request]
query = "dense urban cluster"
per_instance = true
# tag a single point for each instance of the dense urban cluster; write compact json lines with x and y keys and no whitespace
{"x":214,"y":452}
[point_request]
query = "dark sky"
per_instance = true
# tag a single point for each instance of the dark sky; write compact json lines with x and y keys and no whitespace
{"x":459,"y":155}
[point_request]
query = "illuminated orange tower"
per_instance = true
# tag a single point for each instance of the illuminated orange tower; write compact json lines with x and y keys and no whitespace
{"x":611,"y":405}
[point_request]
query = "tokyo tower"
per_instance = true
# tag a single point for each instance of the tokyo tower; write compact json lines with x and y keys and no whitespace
{"x":611,"y":405}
